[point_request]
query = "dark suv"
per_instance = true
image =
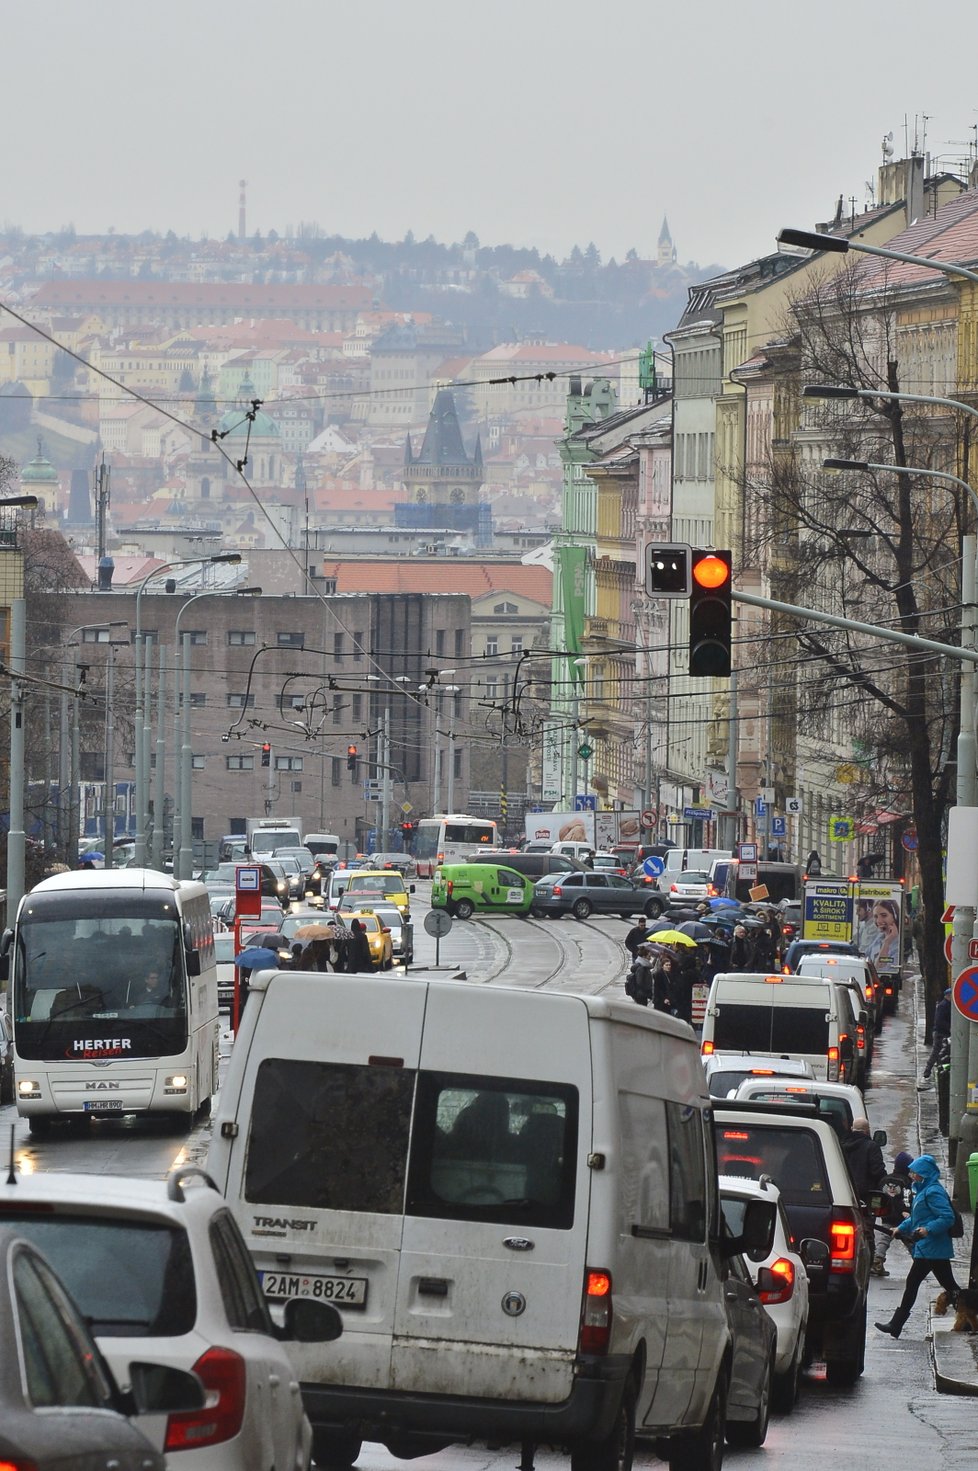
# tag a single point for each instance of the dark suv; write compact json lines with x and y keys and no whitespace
{"x":801,"y":1152}
{"x":587,"y":893}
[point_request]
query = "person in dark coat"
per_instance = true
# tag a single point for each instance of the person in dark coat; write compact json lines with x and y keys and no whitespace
{"x":896,"y":1197}
{"x":358,"y":958}
{"x":741,"y":950}
{"x":638,"y":984}
{"x":941,"y":1033}
{"x":665,"y":982}
{"x":928,"y":1229}
{"x":635,"y":937}
{"x":864,"y":1158}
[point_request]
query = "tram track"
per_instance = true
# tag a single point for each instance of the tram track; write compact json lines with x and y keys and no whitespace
{"x":570,"y":958}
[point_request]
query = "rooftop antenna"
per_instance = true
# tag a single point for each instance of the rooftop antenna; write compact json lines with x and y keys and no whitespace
{"x":887,"y":147}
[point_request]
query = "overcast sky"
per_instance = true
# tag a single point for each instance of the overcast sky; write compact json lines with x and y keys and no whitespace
{"x":534,"y":122}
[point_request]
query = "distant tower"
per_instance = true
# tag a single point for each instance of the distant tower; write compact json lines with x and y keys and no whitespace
{"x":242,"y":186}
{"x":666,"y":252}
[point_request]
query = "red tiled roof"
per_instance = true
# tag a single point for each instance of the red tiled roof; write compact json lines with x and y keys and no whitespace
{"x":440,"y":575}
{"x":949,"y":235}
{"x":242,"y":296}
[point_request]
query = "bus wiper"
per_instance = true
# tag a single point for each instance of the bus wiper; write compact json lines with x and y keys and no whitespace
{"x":63,"y":1011}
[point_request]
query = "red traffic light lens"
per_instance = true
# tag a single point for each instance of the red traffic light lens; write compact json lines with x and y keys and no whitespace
{"x":351,"y":750}
{"x":711,"y":571}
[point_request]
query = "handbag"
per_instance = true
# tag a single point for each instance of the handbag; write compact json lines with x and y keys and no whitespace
{"x":957,"y":1225}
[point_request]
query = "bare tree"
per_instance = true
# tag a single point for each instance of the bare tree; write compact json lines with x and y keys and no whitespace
{"x":876,"y":547}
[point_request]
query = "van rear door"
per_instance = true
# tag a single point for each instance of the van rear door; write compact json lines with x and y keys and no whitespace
{"x":492,"y":1261}
{"x":320,"y":1178}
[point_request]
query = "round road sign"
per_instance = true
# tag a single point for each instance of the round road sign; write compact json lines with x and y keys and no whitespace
{"x":965,"y":993}
{"x":654,"y":866}
{"x":649,"y":817}
{"x":437,"y":922}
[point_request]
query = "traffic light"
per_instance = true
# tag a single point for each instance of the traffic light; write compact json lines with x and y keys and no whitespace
{"x":667,"y":570}
{"x":351,"y":759}
{"x":266,"y":754}
{"x":710,"y":614}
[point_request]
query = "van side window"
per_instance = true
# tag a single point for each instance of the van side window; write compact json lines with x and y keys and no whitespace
{"x":687,"y":1172}
{"x":644,"y":1165}
{"x":330,"y":1136}
{"x":494,"y":1149}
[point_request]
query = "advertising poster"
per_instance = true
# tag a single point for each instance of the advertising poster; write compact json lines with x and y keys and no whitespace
{"x":616,"y":827}
{"x":878,"y":924}
{"x":827,"y":910}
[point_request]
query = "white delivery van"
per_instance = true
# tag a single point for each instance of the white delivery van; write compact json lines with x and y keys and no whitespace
{"x":511,"y":1195}
{"x":696,"y":858}
{"x":759,"y":1013}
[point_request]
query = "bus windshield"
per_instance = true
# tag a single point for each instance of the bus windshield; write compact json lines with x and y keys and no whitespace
{"x":99,"y":975}
{"x":455,"y":833}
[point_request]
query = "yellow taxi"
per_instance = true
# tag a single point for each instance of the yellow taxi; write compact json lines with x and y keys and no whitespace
{"x":378,"y":936}
{"x":366,"y":886}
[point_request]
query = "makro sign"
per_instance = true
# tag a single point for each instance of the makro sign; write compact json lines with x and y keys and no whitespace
{"x":827,"y":910}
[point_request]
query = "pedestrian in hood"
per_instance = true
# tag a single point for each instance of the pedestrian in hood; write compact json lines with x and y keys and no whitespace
{"x":895,"y":1207}
{"x":928,"y":1229}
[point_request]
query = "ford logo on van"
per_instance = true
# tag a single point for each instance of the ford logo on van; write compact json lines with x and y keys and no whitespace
{"x":518,"y":1243}
{"x":514,"y":1303}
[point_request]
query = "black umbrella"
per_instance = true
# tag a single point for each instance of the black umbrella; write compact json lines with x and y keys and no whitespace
{"x":676,"y":916}
{"x":270,"y":939}
{"x":659,"y":924}
{"x":696,"y":930}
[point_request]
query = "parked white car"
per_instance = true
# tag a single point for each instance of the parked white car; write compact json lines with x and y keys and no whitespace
{"x":726,"y":1071}
{"x":161,"y":1273}
{"x":787,"y":1303}
{"x":693,"y":883}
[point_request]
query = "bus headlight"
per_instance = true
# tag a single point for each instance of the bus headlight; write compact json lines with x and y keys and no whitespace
{"x":28,"y":1088}
{"x":176,"y":1084}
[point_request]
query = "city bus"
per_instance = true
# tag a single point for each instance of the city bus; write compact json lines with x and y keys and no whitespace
{"x":112,"y":986}
{"x":451,"y":837}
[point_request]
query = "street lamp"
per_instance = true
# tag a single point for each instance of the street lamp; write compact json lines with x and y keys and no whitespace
{"x":836,"y":244}
{"x":142,"y":698}
{"x":837,"y":391}
{"x":182,"y":749}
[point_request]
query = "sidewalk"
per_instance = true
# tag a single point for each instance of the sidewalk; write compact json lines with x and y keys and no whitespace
{"x":955,"y":1355}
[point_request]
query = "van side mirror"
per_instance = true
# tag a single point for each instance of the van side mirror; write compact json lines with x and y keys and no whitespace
{"x":6,"y":940}
{"x":410,"y":888}
{"x":193,"y":962}
{"x":757,"y":1235}
{"x":879,"y":1137}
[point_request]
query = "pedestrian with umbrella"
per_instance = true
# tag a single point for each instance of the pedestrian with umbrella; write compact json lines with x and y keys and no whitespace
{"x":358,"y":957}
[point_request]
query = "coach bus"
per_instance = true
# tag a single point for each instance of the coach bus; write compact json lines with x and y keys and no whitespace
{"x":113,"y":992}
{"x":451,"y":837}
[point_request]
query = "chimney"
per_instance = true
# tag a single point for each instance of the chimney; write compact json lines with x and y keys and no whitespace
{"x":106,"y":567}
{"x":913,"y":190}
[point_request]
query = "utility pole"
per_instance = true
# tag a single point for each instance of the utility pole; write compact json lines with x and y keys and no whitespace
{"x":16,"y":837}
{"x":731,"y":828}
{"x":158,"y":775}
{"x":385,"y":777}
{"x":108,"y":784}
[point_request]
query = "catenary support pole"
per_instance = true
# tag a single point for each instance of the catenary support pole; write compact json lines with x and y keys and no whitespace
{"x":16,"y":837}
{"x":159,"y":786}
{"x":963,"y":1109}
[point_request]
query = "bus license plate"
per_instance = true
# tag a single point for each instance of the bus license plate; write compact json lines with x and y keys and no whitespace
{"x":104,"y":1105}
{"x":347,"y":1292}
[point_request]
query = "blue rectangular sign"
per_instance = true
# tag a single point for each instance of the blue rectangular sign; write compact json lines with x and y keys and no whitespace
{"x":779,"y":827}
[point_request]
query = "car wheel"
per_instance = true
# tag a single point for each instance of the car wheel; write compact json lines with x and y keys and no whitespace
{"x":464,"y":909}
{"x":754,"y":1432}
{"x":654,"y":909}
{"x":787,"y":1386}
{"x":332,"y":1450}
{"x":581,"y":908}
{"x":616,"y":1451}
{"x":703,"y":1450}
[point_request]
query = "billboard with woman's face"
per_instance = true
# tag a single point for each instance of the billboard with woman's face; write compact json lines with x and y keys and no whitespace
{"x":878,"y":924}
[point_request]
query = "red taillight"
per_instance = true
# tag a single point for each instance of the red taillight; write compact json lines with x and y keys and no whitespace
{"x":832,"y":1056}
{"x":674,"y":888}
{"x":557,"y":891}
{"x":784,"y":1270}
{"x":887,"y":990}
{"x":842,"y":1245}
{"x":861,"y":1037}
{"x":711,"y":892}
{"x":19,"y":1465}
{"x":869,"y":993}
{"x":222,"y":1373}
{"x":596,"y":1313}
{"x":449,"y":886}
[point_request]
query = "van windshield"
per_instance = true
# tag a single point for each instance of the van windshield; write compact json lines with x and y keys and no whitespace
{"x":795,"y":1030}
{"x":337,"y":1136}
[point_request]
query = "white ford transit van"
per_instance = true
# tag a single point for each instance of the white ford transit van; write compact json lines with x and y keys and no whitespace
{"x":511,"y":1196}
{"x":781,"y":1015}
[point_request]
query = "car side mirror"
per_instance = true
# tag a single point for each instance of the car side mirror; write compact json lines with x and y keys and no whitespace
{"x":879,"y":1137}
{"x":159,"y":1389}
{"x":410,"y":888}
{"x":307,"y":1321}
{"x":815,"y":1255}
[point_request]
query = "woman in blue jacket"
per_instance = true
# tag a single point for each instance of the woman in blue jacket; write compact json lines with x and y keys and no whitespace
{"x":927,"y":1228}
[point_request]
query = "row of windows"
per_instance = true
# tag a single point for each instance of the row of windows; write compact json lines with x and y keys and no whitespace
{"x":236,"y":637}
{"x":492,"y":644}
